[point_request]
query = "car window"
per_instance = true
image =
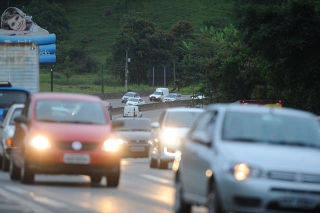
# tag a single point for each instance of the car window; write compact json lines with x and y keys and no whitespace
{"x":181,"y":118}
{"x":15,"y":114}
{"x":270,"y":128}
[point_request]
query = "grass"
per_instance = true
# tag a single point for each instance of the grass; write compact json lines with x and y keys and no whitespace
{"x":92,"y":30}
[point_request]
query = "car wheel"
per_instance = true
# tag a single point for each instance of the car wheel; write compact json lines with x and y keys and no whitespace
{"x":214,"y":203}
{"x":180,"y":206}
{"x":113,"y":178}
{"x":13,"y":170}
{"x":153,"y":163}
{"x":163,"y":164}
{"x":95,"y":179}
{"x":5,"y":163}
{"x":26,"y":175}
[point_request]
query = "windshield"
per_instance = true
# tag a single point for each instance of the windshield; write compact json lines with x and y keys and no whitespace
{"x":270,"y":128}
{"x":171,"y":96}
{"x":9,"y":97}
{"x":129,"y":94}
{"x":70,"y":111}
{"x":133,"y":99}
{"x":181,"y":118}
{"x":157,"y":93}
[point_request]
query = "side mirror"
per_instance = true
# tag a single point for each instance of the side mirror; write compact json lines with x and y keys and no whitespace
{"x":21,"y":119}
{"x":201,"y":137}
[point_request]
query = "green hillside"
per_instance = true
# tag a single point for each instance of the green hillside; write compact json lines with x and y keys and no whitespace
{"x":92,"y":29}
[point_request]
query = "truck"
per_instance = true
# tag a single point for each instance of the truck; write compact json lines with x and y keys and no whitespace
{"x":132,"y":111}
{"x":159,"y":94}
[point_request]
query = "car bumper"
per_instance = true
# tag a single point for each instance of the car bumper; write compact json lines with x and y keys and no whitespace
{"x":55,"y":163}
{"x":266,"y":195}
{"x":155,"y":99}
{"x":135,"y":151}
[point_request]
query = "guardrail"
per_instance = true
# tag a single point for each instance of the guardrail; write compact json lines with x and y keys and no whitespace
{"x":155,"y":105}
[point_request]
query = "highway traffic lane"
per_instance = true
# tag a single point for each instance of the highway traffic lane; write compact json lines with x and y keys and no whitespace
{"x":141,"y":189}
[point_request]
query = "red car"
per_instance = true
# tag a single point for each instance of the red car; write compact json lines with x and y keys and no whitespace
{"x":63,"y":133}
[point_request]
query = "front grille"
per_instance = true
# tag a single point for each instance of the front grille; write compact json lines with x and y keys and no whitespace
{"x":295,"y":177}
{"x":88,"y":146}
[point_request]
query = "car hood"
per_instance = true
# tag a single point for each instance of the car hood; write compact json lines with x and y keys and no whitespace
{"x":274,"y":157}
{"x":134,"y":135}
{"x":72,"y":132}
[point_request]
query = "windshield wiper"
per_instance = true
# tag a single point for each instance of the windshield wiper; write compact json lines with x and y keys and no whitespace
{"x":242,"y":139}
{"x":294,"y":143}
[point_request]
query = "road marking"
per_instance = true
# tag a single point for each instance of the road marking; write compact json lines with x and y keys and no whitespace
{"x":30,"y":205}
{"x":153,"y":178}
{"x":16,"y":190}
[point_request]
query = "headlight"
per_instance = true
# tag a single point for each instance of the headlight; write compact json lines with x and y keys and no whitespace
{"x":243,"y":171}
{"x":112,"y":145}
{"x":40,"y":142}
{"x":170,"y":136}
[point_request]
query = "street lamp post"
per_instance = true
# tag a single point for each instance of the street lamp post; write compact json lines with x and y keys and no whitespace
{"x":126,"y":72}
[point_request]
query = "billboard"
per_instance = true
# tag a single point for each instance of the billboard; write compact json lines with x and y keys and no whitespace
{"x":17,"y":27}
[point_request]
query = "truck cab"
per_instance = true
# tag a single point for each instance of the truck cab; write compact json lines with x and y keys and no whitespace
{"x":11,"y":95}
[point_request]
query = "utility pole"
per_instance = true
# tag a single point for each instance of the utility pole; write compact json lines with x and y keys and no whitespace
{"x":126,"y":73}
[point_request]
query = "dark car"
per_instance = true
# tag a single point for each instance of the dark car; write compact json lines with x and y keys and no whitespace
{"x":62,"y":133}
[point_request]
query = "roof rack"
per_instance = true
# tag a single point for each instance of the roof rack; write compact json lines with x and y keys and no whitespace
{"x":5,"y":84}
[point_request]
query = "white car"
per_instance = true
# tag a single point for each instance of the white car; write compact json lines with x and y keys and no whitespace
{"x":172,"y":97}
{"x":129,"y":95}
{"x":248,"y":158}
{"x":173,"y":125}
{"x":135,"y":102}
{"x":7,"y":129}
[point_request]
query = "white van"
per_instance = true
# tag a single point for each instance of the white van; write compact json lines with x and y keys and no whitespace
{"x":132,"y":111}
{"x":159,"y":94}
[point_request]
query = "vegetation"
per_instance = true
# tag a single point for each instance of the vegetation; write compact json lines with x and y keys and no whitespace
{"x":230,"y":50}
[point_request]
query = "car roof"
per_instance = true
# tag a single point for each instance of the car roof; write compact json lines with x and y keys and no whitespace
{"x":65,"y":96}
{"x":262,"y":109}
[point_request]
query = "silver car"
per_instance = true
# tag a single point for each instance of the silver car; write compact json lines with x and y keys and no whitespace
{"x":241,"y":158}
{"x":173,"y":125}
{"x":7,"y":129}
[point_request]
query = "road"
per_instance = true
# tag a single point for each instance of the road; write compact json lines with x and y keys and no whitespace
{"x":141,"y":189}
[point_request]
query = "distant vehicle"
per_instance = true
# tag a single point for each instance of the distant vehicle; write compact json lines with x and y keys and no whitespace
{"x":271,"y":103}
{"x":135,"y":102}
{"x":129,"y":95}
{"x":172,"y":97}
{"x":198,"y":95}
{"x":6,"y":132}
{"x":65,"y":133}
{"x":168,"y":134}
{"x":11,"y":95}
{"x":131,"y":111}
{"x":239,"y":158}
{"x":159,"y":94}
{"x":135,"y":134}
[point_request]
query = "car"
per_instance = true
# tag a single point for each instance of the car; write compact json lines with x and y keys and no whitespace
{"x":135,"y":102}
{"x":172,"y":97}
{"x":168,"y":133}
{"x":129,"y":95}
{"x":6,"y":132}
{"x":198,"y":95}
{"x":65,"y":133}
{"x":249,"y":158}
{"x":132,"y":111}
{"x":135,"y":134}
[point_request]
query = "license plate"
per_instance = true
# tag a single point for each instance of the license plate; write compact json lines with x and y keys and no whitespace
{"x":298,"y":202}
{"x":137,"y":149}
{"x":76,"y":158}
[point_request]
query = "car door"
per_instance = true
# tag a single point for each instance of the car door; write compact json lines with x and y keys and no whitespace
{"x":197,"y":153}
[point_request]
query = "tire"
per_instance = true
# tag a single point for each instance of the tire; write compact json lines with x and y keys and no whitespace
{"x":214,"y":203}
{"x":26,"y":174}
{"x":5,"y":164}
{"x":14,"y":171}
{"x":113,"y":178}
{"x":153,"y":163}
{"x":180,"y":206}
{"x":95,"y":179}
{"x":163,"y":164}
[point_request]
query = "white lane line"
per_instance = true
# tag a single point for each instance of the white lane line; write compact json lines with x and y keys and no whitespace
{"x":153,"y":178}
{"x":31,"y":205}
{"x":16,"y":190}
